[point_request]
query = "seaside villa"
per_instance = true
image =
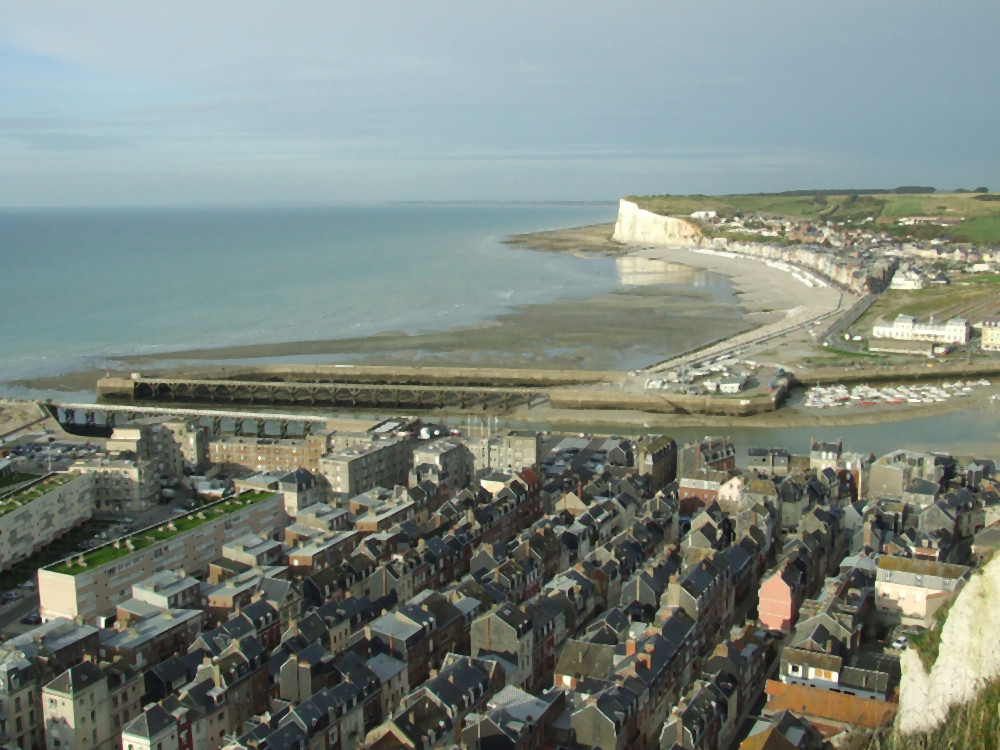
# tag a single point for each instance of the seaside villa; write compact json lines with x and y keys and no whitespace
{"x":906,"y":328}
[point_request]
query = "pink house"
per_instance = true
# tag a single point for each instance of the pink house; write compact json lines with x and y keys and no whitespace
{"x":781,"y":595}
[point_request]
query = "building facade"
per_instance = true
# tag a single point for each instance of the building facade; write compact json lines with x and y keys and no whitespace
{"x":91,"y":584}
{"x":906,"y":328}
{"x":35,"y":515}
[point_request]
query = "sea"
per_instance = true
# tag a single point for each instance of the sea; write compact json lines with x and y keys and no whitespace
{"x":79,"y":288}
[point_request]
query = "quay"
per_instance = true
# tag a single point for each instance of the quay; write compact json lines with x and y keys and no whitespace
{"x":406,"y":388}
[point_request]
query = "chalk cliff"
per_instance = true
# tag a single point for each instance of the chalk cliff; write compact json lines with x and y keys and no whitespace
{"x":968,"y":657}
{"x":638,"y":225}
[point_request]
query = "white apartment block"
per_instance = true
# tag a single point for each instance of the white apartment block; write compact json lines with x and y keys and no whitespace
{"x":35,"y":515}
{"x":156,"y":439}
{"x":89,"y":585}
{"x":906,"y":328}
{"x":508,"y":451}
{"x":120,"y":483}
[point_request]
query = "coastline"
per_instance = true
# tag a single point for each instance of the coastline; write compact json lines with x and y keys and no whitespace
{"x":636,"y":326}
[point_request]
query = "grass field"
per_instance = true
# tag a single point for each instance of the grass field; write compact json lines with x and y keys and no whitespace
{"x":982,"y":225}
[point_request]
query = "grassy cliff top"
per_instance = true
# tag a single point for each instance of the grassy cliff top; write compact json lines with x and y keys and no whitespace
{"x":970,"y":726}
{"x":980,"y":211}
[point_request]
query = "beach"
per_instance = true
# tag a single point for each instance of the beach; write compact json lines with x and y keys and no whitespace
{"x":662,"y":310}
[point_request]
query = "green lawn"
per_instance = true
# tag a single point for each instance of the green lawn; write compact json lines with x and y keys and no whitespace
{"x":25,"y":496}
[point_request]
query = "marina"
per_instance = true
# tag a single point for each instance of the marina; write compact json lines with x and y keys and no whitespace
{"x":839,"y":395}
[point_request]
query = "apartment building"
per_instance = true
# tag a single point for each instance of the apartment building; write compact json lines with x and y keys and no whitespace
{"x":362,"y":467}
{"x":122,"y":481}
{"x":507,"y":451}
{"x":27,"y":662}
{"x":87,"y":705}
{"x":150,"y":438}
{"x":453,"y":459}
{"x":89,"y":585}
{"x":35,"y":515}
{"x":239,"y":454}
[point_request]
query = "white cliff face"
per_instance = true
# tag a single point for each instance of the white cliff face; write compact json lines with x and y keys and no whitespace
{"x":968,"y":657}
{"x":638,"y":225}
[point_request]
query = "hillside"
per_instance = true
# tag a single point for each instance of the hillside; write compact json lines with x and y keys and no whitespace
{"x":980,"y":212}
{"x":971,"y":726}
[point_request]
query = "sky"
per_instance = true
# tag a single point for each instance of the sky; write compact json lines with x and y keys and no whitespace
{"x":232,"y":102}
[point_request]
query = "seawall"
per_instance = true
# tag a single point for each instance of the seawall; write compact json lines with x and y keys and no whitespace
{"x":638,"y":225}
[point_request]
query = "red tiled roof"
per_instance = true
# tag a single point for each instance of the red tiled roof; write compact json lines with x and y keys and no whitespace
{"x":827,"y":709}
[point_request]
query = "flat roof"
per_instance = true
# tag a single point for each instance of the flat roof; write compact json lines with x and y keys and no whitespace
{"x":155,"y":534}
{"x":46,"y":485}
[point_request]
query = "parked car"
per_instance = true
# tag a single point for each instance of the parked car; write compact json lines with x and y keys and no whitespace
{"x":32,"y":619}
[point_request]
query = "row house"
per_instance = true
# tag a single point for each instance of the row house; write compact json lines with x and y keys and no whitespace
{"x":228,"y":688}
{"x":704,"y":591}
{"x":608,"y":719}
{"x":87,"y":705}
{"x":332,"y":717}
{"x":419,"y":632}
{"x":656,"y":668}
{"x":153,"y":639}
{"x":403,"y":575}
{"x":433,"y":715}
{"x":802,"y":566}
{"x":515,"y":720}
{"x":649,"y":583}
{"x":541,"y":545}
{"x":703,"y":486}
{"x":711,"y":452}
{"x":321,"y":550}
{"x":705,"y":718}
{"x":521,"y":579}
{"x":506,"y":631}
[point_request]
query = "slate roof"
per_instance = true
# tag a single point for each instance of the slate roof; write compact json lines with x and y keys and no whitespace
{"x":151,"y":722}
{"x":76,"y":678}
